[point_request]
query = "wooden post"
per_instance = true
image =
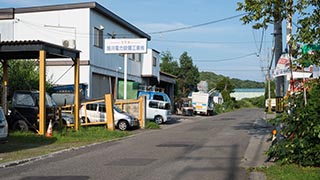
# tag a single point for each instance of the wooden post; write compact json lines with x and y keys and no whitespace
{"x":109,"y":112}
{"x":142,"y":114}
{"x":5,"y":86}
{"x":42,"y":92}
{"x":76,"y":93}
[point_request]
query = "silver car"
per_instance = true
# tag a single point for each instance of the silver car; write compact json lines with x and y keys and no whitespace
{"x":3,"y":127}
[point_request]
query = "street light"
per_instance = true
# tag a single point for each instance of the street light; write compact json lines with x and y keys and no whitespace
{"x":116,"y":87}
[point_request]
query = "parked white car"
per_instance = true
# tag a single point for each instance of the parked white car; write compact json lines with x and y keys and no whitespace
{"x":3,"y":127}
{"x":158,"y":106}
{"x":96,"y":112}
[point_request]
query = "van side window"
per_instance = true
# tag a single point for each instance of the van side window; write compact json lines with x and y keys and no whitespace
{"x":153,"y":104}
{"x":102,"y":108}
{"x":92,"y":107}
{"x":158,"y":97}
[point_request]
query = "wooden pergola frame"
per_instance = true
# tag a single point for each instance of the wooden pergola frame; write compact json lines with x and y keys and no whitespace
{"x":36,"y":49}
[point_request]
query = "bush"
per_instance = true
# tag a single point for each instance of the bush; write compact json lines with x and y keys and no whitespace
{"x":301,"y":127}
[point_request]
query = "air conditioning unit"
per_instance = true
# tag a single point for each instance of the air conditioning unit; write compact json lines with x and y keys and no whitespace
{"x":69,"y":43}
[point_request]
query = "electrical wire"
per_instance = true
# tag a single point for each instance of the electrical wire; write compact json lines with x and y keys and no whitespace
{"x":205,"y":42}
{"x":273,"y":51}
{"x":239,"y":70}
{"x":226,"y":59}
{"x":262,"y":36}
{"x":197,"y":25}
{"x":63,"y":74}
{"x":156,"y":32}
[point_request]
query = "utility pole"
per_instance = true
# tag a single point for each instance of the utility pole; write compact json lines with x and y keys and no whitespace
{"x":278,"y":45}
{"x":289,"y":4}
{"x":268,"y":79}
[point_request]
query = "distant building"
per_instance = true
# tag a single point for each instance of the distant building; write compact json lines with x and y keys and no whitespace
{"x":85,"y":26}
{"x":247,"y":93}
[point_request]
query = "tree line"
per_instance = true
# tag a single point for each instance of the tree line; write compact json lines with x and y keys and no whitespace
{"x":188,"y":76}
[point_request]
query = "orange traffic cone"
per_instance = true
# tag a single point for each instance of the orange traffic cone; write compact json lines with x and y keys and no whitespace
{"x":49,"y":131}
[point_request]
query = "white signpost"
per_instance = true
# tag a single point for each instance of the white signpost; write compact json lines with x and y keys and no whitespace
{"x":125,"y":46}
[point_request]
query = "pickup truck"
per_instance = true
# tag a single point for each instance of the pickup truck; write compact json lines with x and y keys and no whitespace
{"x":25,"y":109}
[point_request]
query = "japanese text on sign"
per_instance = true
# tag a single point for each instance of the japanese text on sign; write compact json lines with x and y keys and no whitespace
{"x":126,"y":45}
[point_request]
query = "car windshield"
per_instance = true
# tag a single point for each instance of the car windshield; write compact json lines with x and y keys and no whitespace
{"x":49,"y":100}
{"x":117,"y":109}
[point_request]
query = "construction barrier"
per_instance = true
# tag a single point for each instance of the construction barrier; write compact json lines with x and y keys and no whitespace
{"x":279,"y":104}
{"x":134,"y":107}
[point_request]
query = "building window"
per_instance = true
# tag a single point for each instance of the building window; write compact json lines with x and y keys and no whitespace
{"x":98,"y":37}
{"x":135,"y":57}
{"x":154,"y":61}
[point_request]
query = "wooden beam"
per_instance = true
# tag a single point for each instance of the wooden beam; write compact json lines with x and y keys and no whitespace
{"x":42,"y":92}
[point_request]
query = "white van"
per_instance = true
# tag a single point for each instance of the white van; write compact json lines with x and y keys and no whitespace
{"x":3,"y":127}
{"x":158,"y":106}
{"x":96,"y":112}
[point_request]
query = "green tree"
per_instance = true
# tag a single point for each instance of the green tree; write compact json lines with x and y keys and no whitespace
{"x":188,"y":74}
{"x":263,"y":13}
{"x":23,"y":75}
{"x":308,"y":32}
{"x":225,"y":87}
{"x":168,"y":65}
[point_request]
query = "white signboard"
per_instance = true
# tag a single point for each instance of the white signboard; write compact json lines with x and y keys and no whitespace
{"x":126,"y":46}
{"x":283,"y":66}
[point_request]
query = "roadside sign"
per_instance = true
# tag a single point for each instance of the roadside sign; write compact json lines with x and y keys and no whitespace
{"x":125,"y":46}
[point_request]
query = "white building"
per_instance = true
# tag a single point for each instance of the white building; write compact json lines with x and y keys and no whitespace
{"x":239,"y":94}
{"x":83,"y":26}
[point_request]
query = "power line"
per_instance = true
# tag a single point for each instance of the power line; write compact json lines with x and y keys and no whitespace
{"x":197,"y":25}
{"x":238,"y":70}
{"x":205,"y":42}
{"x":226,"y":59}
{"x":262,"y":36}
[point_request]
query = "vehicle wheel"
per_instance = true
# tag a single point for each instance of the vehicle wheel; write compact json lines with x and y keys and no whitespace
{"x":158,"y":119}
{"x":183,"y":112}
{"x":55,"y":125}
{"x":123,"y":125}
{"x":20,"y":125}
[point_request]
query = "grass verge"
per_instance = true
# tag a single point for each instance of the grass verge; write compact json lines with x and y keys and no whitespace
{"x":292,"y":172}
{"x":22,"y":145}
{"x":152,"y":125}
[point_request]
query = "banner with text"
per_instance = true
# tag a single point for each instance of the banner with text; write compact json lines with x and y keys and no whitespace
{"x":126,"y":46}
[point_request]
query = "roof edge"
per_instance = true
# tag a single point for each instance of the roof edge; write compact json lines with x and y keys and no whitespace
{"x":92,"y":5}
{"x":55,"y":7}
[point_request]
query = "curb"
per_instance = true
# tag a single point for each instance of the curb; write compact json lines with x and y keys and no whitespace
{"x":254,"y":155}
{"x":45,"y":156}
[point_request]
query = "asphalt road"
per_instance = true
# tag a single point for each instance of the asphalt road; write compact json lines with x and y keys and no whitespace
{"x":197,"y":147}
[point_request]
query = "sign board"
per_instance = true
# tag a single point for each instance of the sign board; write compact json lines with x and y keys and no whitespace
{"x":283,"y":66}
{"x":310,"y":48}
{"x":125,"y":46}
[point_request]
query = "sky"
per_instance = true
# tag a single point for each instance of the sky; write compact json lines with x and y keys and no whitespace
{"x":221,"y":43}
